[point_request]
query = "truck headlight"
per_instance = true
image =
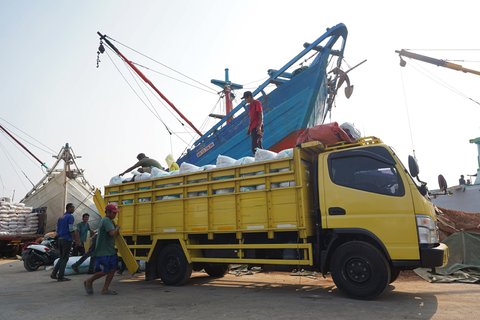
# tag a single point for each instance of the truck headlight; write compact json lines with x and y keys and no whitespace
{"x":427,"y":229}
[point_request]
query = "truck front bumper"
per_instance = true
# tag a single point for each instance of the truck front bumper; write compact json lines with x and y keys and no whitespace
{"x":434,"y":257}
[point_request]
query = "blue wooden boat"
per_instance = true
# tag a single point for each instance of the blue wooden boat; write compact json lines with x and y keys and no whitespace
{"x":302,"y":98}
{"x":297,"y":96}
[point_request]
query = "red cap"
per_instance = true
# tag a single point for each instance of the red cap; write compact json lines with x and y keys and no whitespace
{"x":112,"y":208}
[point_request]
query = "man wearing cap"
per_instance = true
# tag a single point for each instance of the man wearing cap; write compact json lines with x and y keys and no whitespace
{"x":145,"y":163}
{"x":106,"y":259}
{"x":255,"y":128}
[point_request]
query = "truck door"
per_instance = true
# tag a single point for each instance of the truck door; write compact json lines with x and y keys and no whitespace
{"x":365,"y":191}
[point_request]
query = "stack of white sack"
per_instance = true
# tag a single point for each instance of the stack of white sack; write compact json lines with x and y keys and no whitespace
{"x":225,"y":161}
{"x":244,"y":160}
{"x":186,"y":167}
{"x":209,"y":167}
{"x":287,"y":153}
{"x":157,"y":173}
{"x":16,"y":219}
{"x":221,"y":162}
{"x":262,"y":155}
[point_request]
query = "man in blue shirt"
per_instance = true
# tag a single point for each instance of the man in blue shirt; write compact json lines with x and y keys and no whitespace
{"x":65,"y":233}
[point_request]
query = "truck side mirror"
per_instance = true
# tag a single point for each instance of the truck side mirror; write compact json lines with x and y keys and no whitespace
{"x":413,"y":166}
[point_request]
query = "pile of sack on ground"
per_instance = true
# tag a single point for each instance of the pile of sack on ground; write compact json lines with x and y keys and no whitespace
{"x":17,"y":219}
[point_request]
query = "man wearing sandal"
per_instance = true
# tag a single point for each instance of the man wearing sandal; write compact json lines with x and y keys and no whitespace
{"x":106,"y":259}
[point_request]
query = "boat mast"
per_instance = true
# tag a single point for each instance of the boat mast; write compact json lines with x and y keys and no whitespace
{"x":101,"y":49}
{"x":227,"y":87}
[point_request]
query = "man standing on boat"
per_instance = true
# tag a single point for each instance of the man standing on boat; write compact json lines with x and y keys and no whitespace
{"x":255,"y":128}
{"x":145,"y":163}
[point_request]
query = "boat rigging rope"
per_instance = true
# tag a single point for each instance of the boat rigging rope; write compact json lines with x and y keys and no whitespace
{"x":173,"y":78}
{"x":212,"y":90}
{"x":203,"y":125}
{"x":50,"y":151}
{"x":7,"y":155}
{"x":144,"y":103}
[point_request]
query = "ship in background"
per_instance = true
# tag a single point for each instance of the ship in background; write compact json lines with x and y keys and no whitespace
{"x":462,"y":197}
{"x":296,"y":96}
{"x":63,"y":183}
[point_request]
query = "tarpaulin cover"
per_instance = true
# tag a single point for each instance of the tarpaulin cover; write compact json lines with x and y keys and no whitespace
{"x":327,"y":134}
{"x":463,"y":262}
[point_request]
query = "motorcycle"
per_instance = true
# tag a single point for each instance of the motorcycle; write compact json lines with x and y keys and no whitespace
{"x":35,"y":255}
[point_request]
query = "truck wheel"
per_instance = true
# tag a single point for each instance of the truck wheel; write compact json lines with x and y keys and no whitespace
{"x":394,"y":273}
{"x":216,"y":270}
{"x":360,"y":270}
{"x":173,"y":267}
{"x":31,"y":263}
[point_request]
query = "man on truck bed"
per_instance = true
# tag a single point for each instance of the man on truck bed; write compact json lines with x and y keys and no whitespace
{"x":145,"y":163}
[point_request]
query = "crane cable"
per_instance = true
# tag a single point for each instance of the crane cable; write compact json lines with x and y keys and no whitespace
{"x":408,"y":113}
{"x":436,"y":79}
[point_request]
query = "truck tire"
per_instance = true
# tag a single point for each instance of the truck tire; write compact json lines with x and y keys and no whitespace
{"x":394,"y":273}
{"x":31,"y":263}
{"x":173,"y":267}
{"x":360,"y":270}
{"x":216,"y":270}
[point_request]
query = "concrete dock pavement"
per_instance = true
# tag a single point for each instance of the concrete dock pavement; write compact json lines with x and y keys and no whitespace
{"x":33,"y":295}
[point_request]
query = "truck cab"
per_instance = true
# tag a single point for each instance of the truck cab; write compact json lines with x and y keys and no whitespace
{"x":371,"y":206}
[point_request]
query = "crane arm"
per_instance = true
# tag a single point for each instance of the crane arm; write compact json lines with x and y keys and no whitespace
{"x":437,"y":62}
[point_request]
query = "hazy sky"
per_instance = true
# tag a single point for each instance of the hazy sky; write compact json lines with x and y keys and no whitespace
{"x":51,"y":89}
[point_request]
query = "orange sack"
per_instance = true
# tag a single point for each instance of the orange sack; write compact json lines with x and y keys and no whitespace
{"x":329,"y":133}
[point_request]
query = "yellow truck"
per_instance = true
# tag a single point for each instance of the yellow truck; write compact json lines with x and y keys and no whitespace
{"x":351,"y":210}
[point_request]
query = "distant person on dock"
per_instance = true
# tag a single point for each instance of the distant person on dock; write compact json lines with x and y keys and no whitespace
{"x":461,"y":181}
{"x":255,"y":128}
{"x":145,"y":163}
{"x":83,"y":229}
{"x":66,"y":233}
{"x":106,"y":260}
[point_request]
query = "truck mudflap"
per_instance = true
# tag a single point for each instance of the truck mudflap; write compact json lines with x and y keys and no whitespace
{"x":434,"y":257}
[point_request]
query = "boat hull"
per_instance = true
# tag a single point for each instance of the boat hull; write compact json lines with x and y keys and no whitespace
{"x":288,"y":109}
{"x":56,"y":193}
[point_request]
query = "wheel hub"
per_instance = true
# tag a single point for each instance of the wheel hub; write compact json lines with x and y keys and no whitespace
{"x":173,"y":265}
{"x":358,"y":270}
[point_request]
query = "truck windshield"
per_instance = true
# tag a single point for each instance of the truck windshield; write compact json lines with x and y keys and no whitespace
{"x":367,"y":173}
